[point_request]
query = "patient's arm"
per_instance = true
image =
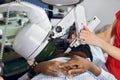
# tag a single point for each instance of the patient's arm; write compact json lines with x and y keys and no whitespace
{"x":79,"y":65}
{"x":47,"y":68}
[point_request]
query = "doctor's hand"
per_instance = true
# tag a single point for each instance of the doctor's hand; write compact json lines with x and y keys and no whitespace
{"x":88,"y":37}
{"x":47,"y":68}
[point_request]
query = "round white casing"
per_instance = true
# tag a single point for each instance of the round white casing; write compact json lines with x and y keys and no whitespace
{"x":61,"y":2}
{"x":30,"y":41}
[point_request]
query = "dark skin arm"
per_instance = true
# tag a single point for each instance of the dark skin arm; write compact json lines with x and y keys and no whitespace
{"x":75,"y":65}
{"x":47,"y":68}
{"x":79,"y":65}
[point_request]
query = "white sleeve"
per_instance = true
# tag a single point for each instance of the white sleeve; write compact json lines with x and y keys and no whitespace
{"x":24,"y":77}
{"x":105,"y":76}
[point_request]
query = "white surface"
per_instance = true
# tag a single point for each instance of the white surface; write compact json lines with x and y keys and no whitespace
{"x":75,"y":15}
{"x":97,"y":53}
{"x":1,"y":16}
{"x":60,"y":2}
{"x":29,"y":42}
{"x":93,"y":23}
{"x":24,"y":77}
{"x":103,"y":9}
{"x":61,"y":59}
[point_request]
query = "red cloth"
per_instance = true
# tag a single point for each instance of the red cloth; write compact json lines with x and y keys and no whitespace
{"x":112,"y":64}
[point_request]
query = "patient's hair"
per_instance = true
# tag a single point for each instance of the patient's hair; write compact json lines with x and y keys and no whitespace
{"x":82,"y":50}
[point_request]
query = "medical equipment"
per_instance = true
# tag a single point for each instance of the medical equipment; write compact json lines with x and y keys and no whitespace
{"x":92,"y":24}
{"x":62,"y":2}
{"x":35,"y":35}
{"x":36,"y":24}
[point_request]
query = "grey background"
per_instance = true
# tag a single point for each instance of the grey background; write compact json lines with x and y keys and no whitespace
{"x":104,"y":9}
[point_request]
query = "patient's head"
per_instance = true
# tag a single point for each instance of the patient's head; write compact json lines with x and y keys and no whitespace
{"x":82,"y":50}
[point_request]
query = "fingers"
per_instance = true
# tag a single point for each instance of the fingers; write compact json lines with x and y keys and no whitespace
{"x":56,"y":68}
{"x":66,"y":65}
{"x":85,"y":28}
{"x":64,"y":71}
{"x":53,"y":73}
{"x":76,"y":71}
{"x":84,"y":35}
{"x":55,"y":64}
{"x":82,"y":39}
{"x":71,"y":62}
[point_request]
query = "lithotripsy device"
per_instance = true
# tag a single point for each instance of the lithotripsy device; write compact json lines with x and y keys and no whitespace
{"x":35,"y":35}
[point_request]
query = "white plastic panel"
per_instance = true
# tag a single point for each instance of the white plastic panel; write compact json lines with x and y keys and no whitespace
{"x":28,"y":40}
{"x":61,"y":2}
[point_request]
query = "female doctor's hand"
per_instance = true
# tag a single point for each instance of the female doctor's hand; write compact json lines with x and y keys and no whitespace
{"x":88,"y":37}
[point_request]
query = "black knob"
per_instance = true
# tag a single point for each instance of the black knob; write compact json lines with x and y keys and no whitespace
{"x":58,"y":29}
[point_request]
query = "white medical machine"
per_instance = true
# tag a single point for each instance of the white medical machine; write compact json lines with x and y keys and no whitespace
{"x":35,"y":35}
